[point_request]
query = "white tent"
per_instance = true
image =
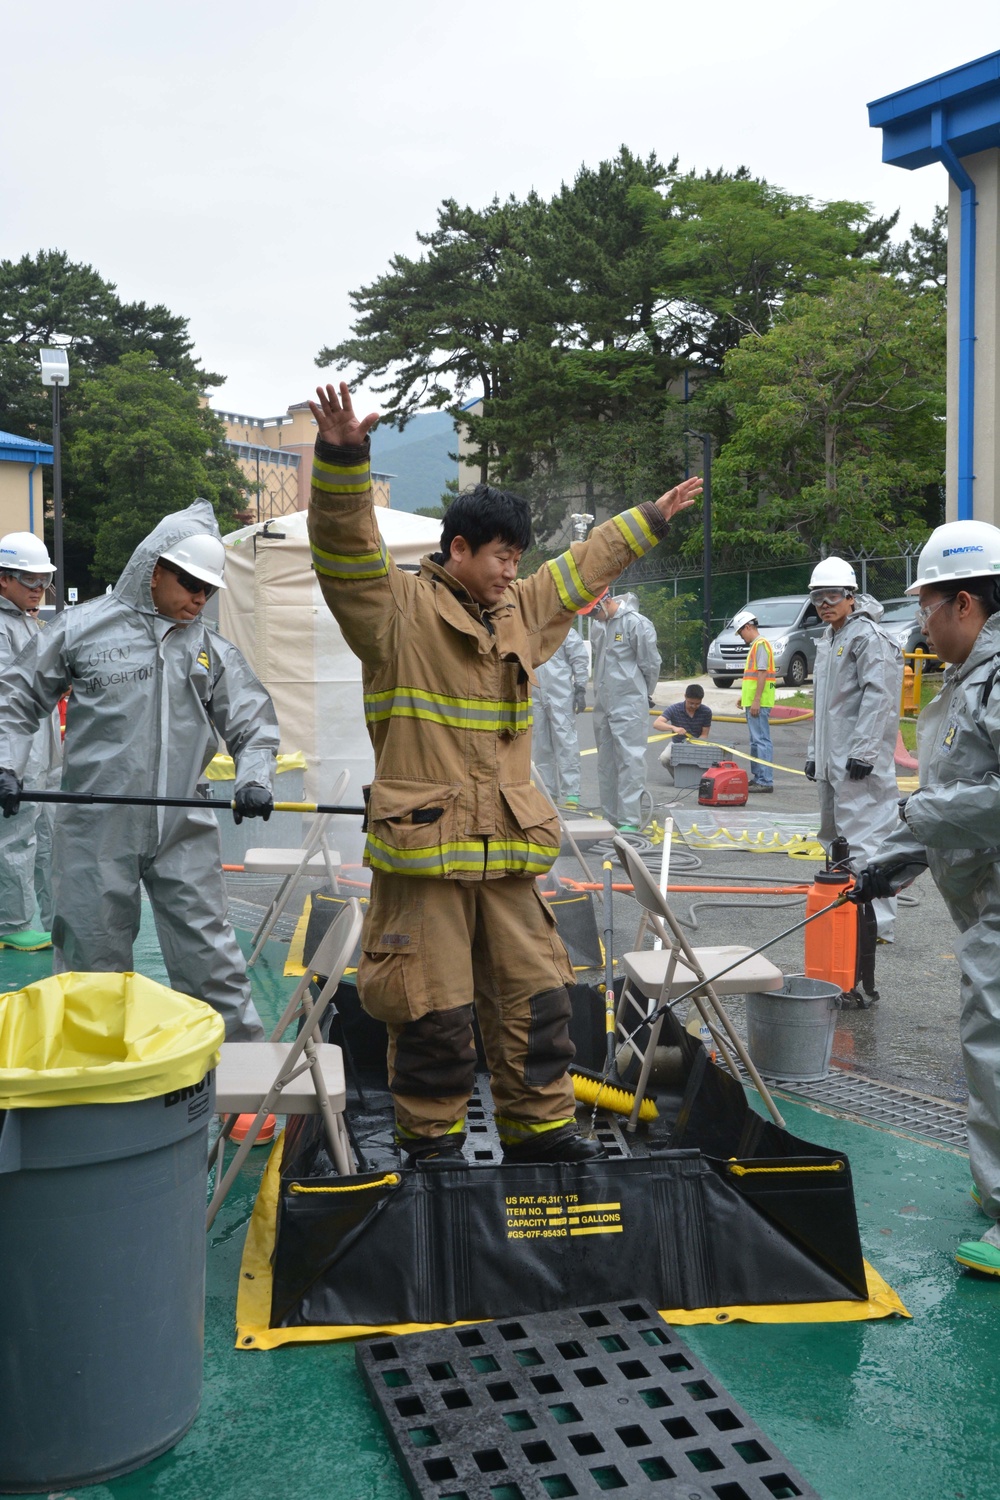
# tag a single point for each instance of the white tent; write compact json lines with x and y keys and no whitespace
{"x":272,"y":609}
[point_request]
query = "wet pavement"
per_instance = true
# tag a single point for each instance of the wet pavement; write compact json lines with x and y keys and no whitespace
{"x":910,"y":1036}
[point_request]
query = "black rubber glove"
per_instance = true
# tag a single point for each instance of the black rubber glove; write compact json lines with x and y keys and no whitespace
{"x":580,"y":699}
{"x":650,"y":702}
{"x":871,"y":884}
{"x":11,"y":787}
{"x":252,"y":801}
{"x":901,"y":804}
{"x":810,"y":770}
{"x":857,"y":770}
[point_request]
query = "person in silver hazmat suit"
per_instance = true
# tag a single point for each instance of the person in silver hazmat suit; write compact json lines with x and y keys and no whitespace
{"x":26,"y":846}
{"x":560,"y":694}
{"x":626,"y":671}
{"x":858,"y":680}
{"x":153,"y":689}
{"x":951,"y":825}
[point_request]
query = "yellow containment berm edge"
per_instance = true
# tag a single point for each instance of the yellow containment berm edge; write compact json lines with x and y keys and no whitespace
{"x":253,"y":1300}
{"x":102,"y":1039}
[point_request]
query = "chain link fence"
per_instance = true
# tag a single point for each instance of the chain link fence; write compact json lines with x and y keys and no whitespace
{"x":659,"y":581}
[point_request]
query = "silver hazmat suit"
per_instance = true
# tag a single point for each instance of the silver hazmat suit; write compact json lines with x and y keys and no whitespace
{"x":26,"y":840}
{"x":555,"y":747}
{"x":953,"y":828}
{"x":150,"y":699}
{"x":858,"y":680}
{"x":626,"y":671}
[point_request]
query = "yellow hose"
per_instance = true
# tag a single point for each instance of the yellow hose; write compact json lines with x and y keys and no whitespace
{"x":605,"y":1096}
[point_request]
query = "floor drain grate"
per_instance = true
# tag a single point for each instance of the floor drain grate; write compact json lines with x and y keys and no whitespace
{"x":884,"y":1104}
{"x":567,"y":1403}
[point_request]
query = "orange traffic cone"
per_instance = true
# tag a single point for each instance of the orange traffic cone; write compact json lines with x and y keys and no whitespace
{"x":242,"y":1126}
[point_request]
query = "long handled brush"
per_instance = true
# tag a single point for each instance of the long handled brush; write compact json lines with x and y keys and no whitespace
{"x":607,"y":1090}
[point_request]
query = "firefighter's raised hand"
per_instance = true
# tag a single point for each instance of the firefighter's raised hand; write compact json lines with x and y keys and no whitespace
{"x":681,"y":497}
{"x":335,"y":417}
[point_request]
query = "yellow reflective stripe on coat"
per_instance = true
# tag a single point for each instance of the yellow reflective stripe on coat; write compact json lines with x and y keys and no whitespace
{"x":463,"y":857}
{"x":337,"y":479}
{"x":636,"y":530}
{"x":495,"y":715}
{"x":351,"y":566}
{"x":573,"y":592}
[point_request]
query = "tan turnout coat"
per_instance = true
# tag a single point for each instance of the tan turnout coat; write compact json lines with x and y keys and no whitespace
{"x":447,"y":682}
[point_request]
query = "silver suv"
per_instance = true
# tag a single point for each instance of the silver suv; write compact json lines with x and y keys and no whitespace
{"x":792,"y":626}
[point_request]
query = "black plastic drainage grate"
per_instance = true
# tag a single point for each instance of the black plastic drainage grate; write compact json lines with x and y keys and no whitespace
{"x":567,"y":1403}
{"x":483,"y":1148}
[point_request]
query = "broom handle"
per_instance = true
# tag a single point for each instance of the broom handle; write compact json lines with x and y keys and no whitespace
{"x":86,"y":798}
{"x":609,"y":966}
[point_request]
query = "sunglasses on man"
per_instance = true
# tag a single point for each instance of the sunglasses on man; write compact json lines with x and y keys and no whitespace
{"x":194,"y":586}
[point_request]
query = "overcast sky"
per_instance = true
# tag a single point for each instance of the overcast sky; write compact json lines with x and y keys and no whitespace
{"x":249,"y":164}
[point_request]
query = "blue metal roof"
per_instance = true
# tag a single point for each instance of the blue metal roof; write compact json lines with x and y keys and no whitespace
{"x":21,"y":450}
{"x":960,"y":107}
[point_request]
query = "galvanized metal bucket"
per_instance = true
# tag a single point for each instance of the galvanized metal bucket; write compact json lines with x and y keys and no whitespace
{"x":790,"y":1031}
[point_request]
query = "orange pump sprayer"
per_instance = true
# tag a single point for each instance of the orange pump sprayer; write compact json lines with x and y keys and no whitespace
{"x":832,"y":941}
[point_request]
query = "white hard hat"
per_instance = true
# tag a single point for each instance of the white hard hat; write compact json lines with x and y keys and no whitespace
{"x":741,"y":618}
{"x":833,"y":573}
{"x":202,"y":556}
{"x":957,"y":550}
{"x":23,"y":552}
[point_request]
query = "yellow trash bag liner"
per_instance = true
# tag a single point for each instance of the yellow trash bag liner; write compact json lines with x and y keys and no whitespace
{"x":102,"y":1039}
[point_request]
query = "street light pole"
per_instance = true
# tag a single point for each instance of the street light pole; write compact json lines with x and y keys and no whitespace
{"x":57,"y":516}
{"x":706,"y":540}
{"x":55,"y":372}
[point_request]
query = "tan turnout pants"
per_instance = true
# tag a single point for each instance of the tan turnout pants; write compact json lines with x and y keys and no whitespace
{"x":430,"y":949}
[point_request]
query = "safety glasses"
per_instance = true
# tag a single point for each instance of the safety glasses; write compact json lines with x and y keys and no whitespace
{"x":31,"y":580}
{"x":827,"y":596}
{"x":924,"y":614}
{"x":188,"y":581}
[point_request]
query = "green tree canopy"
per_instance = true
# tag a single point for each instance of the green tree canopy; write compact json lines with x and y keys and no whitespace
{"x":580,"y":320}
{"x":133,"y":353}
{"x":838,"y":431}
{"x":732,"y":250}
{"x":143,"y":445}
{"x":46,"y":300}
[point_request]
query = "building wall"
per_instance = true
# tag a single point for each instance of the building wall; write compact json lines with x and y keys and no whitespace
{"x":284,"y":489}
{"x":984,"y":169}
{"x":14,"y":498}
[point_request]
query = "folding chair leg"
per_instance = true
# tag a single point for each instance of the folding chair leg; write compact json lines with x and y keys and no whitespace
{"x":270,"y":917}
{"x":336,"y":1136}
{"x":648,"y":1056}
{"x":242,"y":1152}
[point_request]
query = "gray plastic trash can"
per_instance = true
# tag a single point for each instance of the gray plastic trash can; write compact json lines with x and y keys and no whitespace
{"x":790,"y":1031}
{"x":102,"y":1285}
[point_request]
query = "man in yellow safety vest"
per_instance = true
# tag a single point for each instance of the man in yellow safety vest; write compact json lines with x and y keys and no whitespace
{"x":757,"y":698}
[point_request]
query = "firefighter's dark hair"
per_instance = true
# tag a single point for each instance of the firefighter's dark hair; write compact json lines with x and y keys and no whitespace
{"x":485,"y":515}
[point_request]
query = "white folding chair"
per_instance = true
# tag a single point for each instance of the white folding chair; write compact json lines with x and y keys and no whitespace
{"x":660,"y":977}
{"x":294,"y":1078}
{"x":314,"y":860}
